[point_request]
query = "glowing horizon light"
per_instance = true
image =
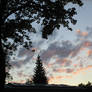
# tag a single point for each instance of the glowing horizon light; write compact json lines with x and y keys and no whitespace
{"x":81,"y":76}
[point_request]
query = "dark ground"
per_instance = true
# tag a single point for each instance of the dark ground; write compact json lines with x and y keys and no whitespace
{"x":51,"y":88}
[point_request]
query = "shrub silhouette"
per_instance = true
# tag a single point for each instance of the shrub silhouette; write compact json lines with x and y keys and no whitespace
{"x":28,"y":82}
{"x":81,"y":85}
{"x":39,"y":76}
{"x":88,"y":85}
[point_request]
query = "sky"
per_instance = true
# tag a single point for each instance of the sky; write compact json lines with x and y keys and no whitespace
{"x":66,"y":55}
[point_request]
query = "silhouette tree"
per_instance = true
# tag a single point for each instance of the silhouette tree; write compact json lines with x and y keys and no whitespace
{"x":88,"y":85}
{"x":39,"y":76}
{"x":51,"y":12}
{"x":28,"y":82}
{"x":81,"y":85}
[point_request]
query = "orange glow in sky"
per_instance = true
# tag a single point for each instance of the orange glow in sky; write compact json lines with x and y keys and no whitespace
{"x":89,"y":52}
{"x":74,"y":77}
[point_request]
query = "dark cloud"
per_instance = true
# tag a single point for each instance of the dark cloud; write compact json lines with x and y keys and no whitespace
{"x":76,"y":49}
{"x":79,"y":47}
{"x":20,"y":62}
{"x":63,"y":62}
{"x":67,"y":48}
{"x":25,"y":52}
{"x":68,"y":70}
{"x":16,"y":64}
{"x":28,"y":54}
{"x":62,"y":50}
{"x":68,"y":63}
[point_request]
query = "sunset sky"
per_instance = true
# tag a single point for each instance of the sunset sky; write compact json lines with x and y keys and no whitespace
{"x":66,"y":55}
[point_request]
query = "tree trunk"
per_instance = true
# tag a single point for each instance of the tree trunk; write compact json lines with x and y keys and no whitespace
{"x":2,"y":67}
{"x":3,"y":4}
{"x":2,"y":58}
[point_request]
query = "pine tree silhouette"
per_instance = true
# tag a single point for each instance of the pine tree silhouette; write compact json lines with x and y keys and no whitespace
{"x":39,"y":76}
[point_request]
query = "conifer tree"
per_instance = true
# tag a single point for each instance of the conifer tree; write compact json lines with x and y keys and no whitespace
{"x":39,"y":75}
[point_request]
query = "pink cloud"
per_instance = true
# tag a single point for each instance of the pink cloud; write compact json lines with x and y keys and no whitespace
{"x":78,"y":31}
{"x":87,"y":43}
{"x":81,"y":33}
{"x":89,"y":52}
{"x":82,"y":69}
{"x":56,"y":79}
